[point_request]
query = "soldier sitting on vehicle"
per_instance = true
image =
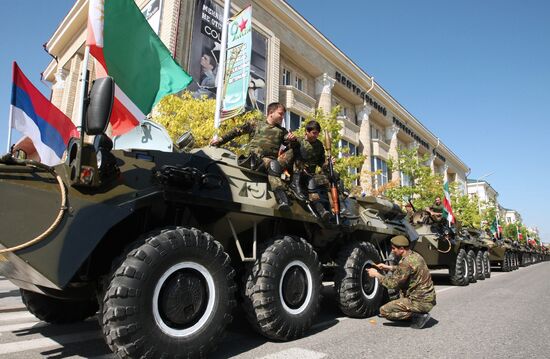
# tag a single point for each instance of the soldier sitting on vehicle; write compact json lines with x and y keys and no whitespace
{"x":436,"y":210}
{"x":412,"y":277}
{"x":309,"y":154}
{"x":267,"y":138}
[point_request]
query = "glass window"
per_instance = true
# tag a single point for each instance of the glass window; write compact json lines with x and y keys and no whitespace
{"x":379,"y":164}
{"x":295,"y":121}
{"x":352,"y":151}
{"x":299,"y":83}
{"x":286,"y":78}
{"x":405,"y":180}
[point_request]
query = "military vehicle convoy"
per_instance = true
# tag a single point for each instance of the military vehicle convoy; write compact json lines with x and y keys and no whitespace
{"x":158,"y":242}
{"x":463,"y":252}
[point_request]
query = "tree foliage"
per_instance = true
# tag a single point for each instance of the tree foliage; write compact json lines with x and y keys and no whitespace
{"x":180,"y":113}
{"x":424,"y":185}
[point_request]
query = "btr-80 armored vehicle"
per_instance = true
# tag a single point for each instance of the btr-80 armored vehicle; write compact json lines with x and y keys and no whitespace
{"x":461,"y":251}
{"x":154,"y":240}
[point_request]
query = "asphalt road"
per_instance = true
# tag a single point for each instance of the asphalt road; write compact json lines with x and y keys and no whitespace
{"x":504,"y":316}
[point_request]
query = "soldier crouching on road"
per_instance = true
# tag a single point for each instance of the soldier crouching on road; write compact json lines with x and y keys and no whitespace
{"x":267,"y":138}
{"x":412,"y":277}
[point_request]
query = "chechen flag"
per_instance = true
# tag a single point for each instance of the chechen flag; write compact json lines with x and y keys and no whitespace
{"x":447,"y":210}
{"x":128,"y":50}
{"x":34,"y":116}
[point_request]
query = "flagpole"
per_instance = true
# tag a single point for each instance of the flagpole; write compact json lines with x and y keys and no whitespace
{"x":83,"y":87}
{"x":10,"y":122}
{"x":221,"y":67}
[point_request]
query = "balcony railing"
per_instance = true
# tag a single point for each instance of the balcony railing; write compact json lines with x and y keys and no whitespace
{"x":297,"y":100}
{"x":380,"y":149}
{"x":350,"y":131}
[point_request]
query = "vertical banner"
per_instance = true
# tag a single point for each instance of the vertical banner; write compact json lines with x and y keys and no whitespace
{"x":205,"y":53}
{"x":152,"y":13}
{"x":237,"y":69}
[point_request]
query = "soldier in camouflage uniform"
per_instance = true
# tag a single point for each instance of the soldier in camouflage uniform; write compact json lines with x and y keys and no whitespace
{"x":309,"y":154}
{"x":264,"y":148}
{"x":413,"y":279}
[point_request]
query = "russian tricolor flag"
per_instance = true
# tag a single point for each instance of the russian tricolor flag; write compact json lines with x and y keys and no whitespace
{"x":36,"y":117}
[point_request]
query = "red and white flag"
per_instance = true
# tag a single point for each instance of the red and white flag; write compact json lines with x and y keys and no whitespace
{"x":127,"y":49}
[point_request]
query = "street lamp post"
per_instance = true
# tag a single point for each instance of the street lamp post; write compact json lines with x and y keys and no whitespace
{"x":479,"y":196}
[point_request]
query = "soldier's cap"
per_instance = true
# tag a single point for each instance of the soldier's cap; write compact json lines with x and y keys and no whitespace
{"x":400,"y":241}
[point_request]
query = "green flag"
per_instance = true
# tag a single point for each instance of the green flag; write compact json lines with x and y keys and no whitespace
{"x":128,"y":50}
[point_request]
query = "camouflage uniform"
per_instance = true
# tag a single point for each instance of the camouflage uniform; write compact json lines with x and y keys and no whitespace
{"x":413,"y":279}
{"x":266,"y":140}
{"x":309,"y":156}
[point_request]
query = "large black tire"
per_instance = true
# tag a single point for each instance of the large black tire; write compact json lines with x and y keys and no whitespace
{"x":284,"y":289}
{"x":472,"y":267}
{"x":480,"y":265}
{"x":171,"y":296}
{"x":486,"y":265}
{"x":58,"y":311}
{"x":359,"y":296}
{"x":505,"y":263}
{"x":459,"y":272}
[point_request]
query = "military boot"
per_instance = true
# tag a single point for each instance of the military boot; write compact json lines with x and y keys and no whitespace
{"x":419,"y":320}
{"x":282,"y":199}
{"x":296,"y":187}
{"x":321,"y":211}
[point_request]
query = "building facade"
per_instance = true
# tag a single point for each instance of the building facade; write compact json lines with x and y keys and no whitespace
{"x":299,"y":66}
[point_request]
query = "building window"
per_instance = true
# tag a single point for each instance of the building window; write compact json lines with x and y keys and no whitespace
{"x":405,"y":180}
{"x":352,"y":151}
{"x":299,"y":83}
{"x":286,"y":79}
{"x":376,"y":133}
{"x":295,"y":121}
{"x":379,"y":164}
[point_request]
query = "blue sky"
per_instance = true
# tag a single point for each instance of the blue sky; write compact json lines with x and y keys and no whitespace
{"x":476,"y":73}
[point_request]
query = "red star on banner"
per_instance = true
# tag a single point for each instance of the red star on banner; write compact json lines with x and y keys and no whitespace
{"x":242,"y":25}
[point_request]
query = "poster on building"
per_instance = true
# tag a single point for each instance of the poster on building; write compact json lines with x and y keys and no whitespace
{"x":152,"y":11}
{"x":205,"y":54}
{"x":237,"y":67}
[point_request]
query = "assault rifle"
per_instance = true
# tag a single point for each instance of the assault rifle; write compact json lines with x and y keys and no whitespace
{"x":332,"y":179}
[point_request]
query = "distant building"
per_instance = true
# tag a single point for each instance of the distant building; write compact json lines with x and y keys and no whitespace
{"x":512,"y":216}
{"x":300,"y":68}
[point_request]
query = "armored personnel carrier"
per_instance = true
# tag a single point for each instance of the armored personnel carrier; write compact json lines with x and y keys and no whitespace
{"x":460,"y":251}
{"x":157,"y":240}
{"x":503,"y":255}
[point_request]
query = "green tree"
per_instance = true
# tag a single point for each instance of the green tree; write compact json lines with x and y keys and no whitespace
{"x":466,"y":209}
{"x":180,"y":113}
{"x":424,"y":185}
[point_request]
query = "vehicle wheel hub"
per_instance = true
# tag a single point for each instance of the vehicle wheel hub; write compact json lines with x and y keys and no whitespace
{"x":183,"y":298}
{"x":295,"y":287}
{"x":369,"y":285}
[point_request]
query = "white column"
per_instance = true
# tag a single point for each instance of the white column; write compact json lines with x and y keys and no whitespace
{"x":323,"y":91}
{"x":445,"y":175}
{"x":391,"y":134}
{"x":365,"y":179}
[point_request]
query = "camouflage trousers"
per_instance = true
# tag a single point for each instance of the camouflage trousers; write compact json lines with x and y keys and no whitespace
{"x":402,"y":309}
{"x":285,"y":160}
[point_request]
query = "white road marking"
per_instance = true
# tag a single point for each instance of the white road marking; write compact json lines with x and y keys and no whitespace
{"x":41,"y":343}
{"x":20,"y":326}
{"x":295,"y":353}
{"x":4,"y":317}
